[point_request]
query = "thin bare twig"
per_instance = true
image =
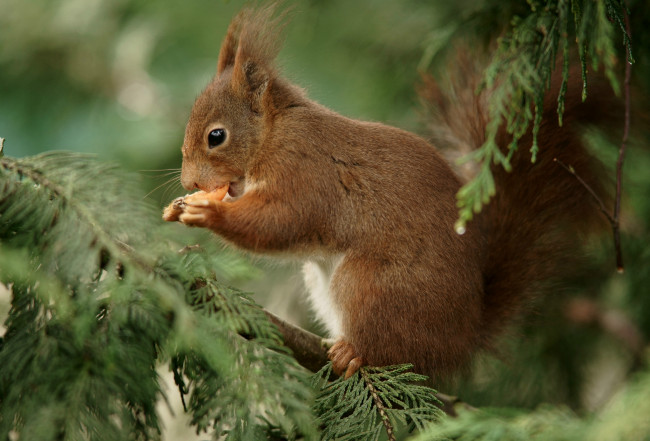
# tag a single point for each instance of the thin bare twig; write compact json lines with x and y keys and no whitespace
{"x":591,"y":191}
{"x":614,"y":219}
{"x":621,"y":150}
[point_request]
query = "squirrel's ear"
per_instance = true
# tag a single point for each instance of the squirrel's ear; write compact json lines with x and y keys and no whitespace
{"x":252,"y":79}
{"x":257,"y":77}
{"x":228,"y":49}
{"x":226,"y":55}
{"x":251,"y":45}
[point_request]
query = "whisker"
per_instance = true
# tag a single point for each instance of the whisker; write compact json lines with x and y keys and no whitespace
{"x":174,"y":187}
{"x":167,"y":182}
{"x":162,"y":169}
{"x":170,"y":173}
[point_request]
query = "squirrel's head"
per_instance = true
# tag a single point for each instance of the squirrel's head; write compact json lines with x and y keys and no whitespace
{"x":227,"y":122}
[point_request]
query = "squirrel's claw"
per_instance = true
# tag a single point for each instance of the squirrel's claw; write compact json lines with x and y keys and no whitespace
{"x":345,"y":359}
{"x":193,"y":220}
{"x":197,"y":208}
{"x":354,"y":366}
{"x":174,"y":210}
{"x":199,"y":213}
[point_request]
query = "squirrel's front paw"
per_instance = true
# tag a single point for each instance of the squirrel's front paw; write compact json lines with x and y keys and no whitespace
{"x":197,"y":209}
{"x":345,"y":359}
{"x":200,"y":212}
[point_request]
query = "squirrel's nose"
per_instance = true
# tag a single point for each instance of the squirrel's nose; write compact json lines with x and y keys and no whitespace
{"x":187,"y":184}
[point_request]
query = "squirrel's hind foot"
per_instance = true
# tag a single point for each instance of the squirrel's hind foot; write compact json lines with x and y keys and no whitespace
{"x":345,"y":359}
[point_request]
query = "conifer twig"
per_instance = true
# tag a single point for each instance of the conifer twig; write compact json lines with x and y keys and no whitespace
{"x":614,"y":219}
{"x":379,"y":404}
{"x":310,"y":351}
{"x":115,"y":246}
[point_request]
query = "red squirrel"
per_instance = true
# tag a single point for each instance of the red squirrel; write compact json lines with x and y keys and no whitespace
{"x":371,"y":208}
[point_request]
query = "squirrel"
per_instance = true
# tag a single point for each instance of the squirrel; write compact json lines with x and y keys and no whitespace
{"x":371,"y":208}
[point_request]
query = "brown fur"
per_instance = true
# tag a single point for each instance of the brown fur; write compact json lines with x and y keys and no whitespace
{"x":311,"y":183}
{"x":541,"y":214}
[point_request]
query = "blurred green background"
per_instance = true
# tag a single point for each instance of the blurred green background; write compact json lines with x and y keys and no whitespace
{"x":117,"y":78}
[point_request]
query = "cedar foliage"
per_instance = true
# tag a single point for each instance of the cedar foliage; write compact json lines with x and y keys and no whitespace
{"x":98,"y":305}
{"x":374,"y":402}
{"x":519,"y":75}
{"x":96,"y":309}
{"x":102,"y":297}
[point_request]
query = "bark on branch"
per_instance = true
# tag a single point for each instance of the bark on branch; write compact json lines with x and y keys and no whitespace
{"x":310,"y":351}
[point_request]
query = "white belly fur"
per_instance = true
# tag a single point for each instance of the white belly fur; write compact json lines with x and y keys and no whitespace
{"x":317,"y":274}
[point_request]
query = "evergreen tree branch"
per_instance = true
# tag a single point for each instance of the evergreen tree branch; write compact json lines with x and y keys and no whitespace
{"x":96,"y":307}
{"x":373,"y":401}
{"x":390,"y":431}
{"x":310,"y":351}
{"x":519,"y":76}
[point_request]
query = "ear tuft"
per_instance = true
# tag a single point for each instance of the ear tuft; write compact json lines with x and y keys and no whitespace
{"x":251,"y":45}
{"x":229,"y":46}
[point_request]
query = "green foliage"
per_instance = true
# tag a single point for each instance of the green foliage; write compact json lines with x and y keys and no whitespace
{"x":96,"y":309}
{"x":67,"y":368}
{"x":252,"y":382}
{"x":97,"y":306}
{"x":626,"y":419}
{"x":101,"y":299}
{"x":519,"y":75}
{"x":374,"y":402}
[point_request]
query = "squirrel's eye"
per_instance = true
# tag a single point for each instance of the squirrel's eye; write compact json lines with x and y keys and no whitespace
{"x":216,"y":137}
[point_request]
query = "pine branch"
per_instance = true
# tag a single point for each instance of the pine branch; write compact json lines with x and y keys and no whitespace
{"x":59,"y":216}
{"x":310,"y":350}
{"x":519,"y":76}
{"x":624,"y":418}
{"x":373,"y":401}
{"x":91,"y":318}
{"x":264,"y":387}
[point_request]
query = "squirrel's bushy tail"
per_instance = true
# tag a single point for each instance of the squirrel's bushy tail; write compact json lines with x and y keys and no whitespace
{"x":540,"y":212}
